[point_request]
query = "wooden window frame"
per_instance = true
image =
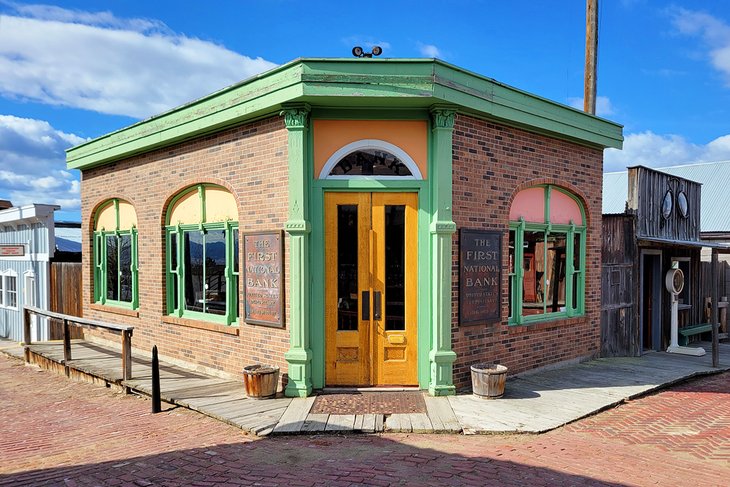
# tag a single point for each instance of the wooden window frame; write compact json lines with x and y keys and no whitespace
{"x":177,"y":275}
{"x":5,"y":292}
{"x":100,"y":262}
{"x":516,"y":277}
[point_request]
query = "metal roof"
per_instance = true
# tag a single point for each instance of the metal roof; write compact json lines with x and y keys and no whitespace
{"x":714,"y":177}
{"x":686,"y":243}
{"x":615,"y":192}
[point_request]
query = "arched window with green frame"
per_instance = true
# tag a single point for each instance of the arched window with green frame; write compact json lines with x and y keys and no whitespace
{"x":115,"y":255}
{"x":547,"y":243}
{"x":201,"y":238}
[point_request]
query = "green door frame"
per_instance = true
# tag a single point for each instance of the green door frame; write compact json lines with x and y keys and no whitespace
{"x":306,"y":356}
{"x":317,"y":337}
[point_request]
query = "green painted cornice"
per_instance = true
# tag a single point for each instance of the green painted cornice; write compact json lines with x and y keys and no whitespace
{"x":350,"y":83}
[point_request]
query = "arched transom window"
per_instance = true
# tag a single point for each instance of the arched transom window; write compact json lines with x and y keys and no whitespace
{"x":202,"y":255}
{"x":547,"y":241}
{"x":115,"y":254}
{"x":370,"y":158}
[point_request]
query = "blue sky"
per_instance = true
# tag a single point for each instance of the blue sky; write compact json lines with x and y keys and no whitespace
{"x":70,"y":71}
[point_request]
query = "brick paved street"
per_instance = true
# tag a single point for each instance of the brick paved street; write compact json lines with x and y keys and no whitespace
{"x":58,"y":432}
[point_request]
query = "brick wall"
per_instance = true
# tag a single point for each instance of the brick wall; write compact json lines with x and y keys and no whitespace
{"x":251,"y":161}
{"x":492,"y":163}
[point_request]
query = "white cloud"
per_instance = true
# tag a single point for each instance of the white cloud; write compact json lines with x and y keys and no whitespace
{"x":101,"y":19}
{"x":429,"y":50}
{"x":33,"y":165}
{"x":604,"y":107}
{"x":96,"y":61}
{"x":655,"y":150}
{"x":713,"y":31}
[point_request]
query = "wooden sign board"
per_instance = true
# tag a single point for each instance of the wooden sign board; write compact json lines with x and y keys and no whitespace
{"x":263,"y":278}
{"x":480,"y":277}
{"x":12,"y":250}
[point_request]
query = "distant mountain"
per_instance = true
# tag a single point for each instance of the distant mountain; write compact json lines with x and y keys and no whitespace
{"x":66,"y":245}
{"x":216,"y":251}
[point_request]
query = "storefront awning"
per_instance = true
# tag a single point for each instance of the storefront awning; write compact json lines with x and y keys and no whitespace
{"x":720,"y":247}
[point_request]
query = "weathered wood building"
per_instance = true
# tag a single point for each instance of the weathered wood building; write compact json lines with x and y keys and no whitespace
{"x":660,"y":228}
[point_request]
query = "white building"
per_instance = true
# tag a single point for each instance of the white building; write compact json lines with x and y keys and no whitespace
{"x":27,"y":245}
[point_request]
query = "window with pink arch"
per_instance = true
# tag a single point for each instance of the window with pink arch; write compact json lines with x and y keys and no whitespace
{"x":529,"y":204}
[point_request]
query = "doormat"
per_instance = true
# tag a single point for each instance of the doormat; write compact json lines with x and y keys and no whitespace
{"x":407,"y":402}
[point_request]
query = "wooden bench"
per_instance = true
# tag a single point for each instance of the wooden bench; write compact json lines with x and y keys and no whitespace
{"x":690,"y":330}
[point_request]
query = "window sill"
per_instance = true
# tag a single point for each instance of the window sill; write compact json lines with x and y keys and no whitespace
{"x":201,"y":325}
{"x":515,"y":329}
{"x":115,"y":310}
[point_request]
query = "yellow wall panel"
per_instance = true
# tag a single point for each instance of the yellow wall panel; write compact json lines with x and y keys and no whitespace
{"x":220,"y":205}
{"x":409,"y":135}
{"x":186,"y":209}
{"x":127,"y":216}
{"x":106,"y":218}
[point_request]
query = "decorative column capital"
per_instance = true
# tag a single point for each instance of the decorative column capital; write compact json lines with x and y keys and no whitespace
{"x":443,"y":117}
{"x":296,"y":116}
{"x":443,"y":227}
{"x":297,"y":227}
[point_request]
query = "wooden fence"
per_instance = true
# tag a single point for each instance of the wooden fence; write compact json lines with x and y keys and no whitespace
{"x":65,"y":297}
{"x":723,"y":281}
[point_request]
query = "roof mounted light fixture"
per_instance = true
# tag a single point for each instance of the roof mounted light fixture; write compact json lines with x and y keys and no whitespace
{"x":357,"y":51}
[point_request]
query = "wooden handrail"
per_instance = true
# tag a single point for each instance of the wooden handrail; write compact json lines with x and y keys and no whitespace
{"x":123,"y":330}
{"x":81,"y":321}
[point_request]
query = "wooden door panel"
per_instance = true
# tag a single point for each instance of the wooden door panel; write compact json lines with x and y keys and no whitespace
{"x":347,"y":274}
{"x":395,"y":217}
{"x":367,"y":344}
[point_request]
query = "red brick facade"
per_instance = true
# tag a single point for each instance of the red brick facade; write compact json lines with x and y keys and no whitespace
{"x":492,"y":163}
{"x":251,"y":161}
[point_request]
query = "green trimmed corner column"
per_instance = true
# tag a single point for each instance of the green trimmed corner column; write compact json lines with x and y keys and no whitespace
{"x":442,"y":228}
{"x":299,"y":355}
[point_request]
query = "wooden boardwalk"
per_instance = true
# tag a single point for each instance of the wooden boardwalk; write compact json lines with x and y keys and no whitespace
{"x":439,"y":418}
{"x":221,"y":399}
{"x":533,"y":403}
{"x":542,"y":401}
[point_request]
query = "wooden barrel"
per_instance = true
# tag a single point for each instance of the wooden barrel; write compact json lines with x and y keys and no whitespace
{"x":487,"y":380}
{"x":261,"y":381}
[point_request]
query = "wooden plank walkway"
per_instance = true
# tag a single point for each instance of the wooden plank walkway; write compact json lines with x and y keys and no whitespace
{"x":542,"y":401}
{"x":221,"y":399}
{"x":533,"y":403}
{"x":298,"y":419}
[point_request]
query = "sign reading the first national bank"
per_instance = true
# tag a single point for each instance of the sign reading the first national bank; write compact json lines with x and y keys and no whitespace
{"x":12,"y":250}
{"x":480,"y":276}
{"x":263,"y":278}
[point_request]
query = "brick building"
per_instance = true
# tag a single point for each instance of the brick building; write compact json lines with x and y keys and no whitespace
{"x":353,"y":221}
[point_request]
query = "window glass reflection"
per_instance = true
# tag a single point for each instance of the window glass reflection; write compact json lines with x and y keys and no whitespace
{"x":347,"y":270}
{"x":370,"y":162}
{"x":112,"y":268}
{"x":395,"y":255}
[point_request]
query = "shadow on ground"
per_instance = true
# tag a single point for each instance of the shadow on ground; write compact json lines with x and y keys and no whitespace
{"x":304,"y":460}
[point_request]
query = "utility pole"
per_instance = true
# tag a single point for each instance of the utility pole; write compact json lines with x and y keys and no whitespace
{"x":589,"y":92}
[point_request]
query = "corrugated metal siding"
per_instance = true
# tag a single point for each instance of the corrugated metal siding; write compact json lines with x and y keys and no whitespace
{"x":11,"y":320}
{"x":714,"y":176}
{"x":35,"y":237}
{"x":615,"y":192}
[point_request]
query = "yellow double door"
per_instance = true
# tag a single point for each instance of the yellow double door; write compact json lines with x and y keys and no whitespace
{"x":371,"y":276}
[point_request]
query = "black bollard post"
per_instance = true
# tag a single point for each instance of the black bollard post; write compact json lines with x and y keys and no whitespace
{"x":156,"y":405}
